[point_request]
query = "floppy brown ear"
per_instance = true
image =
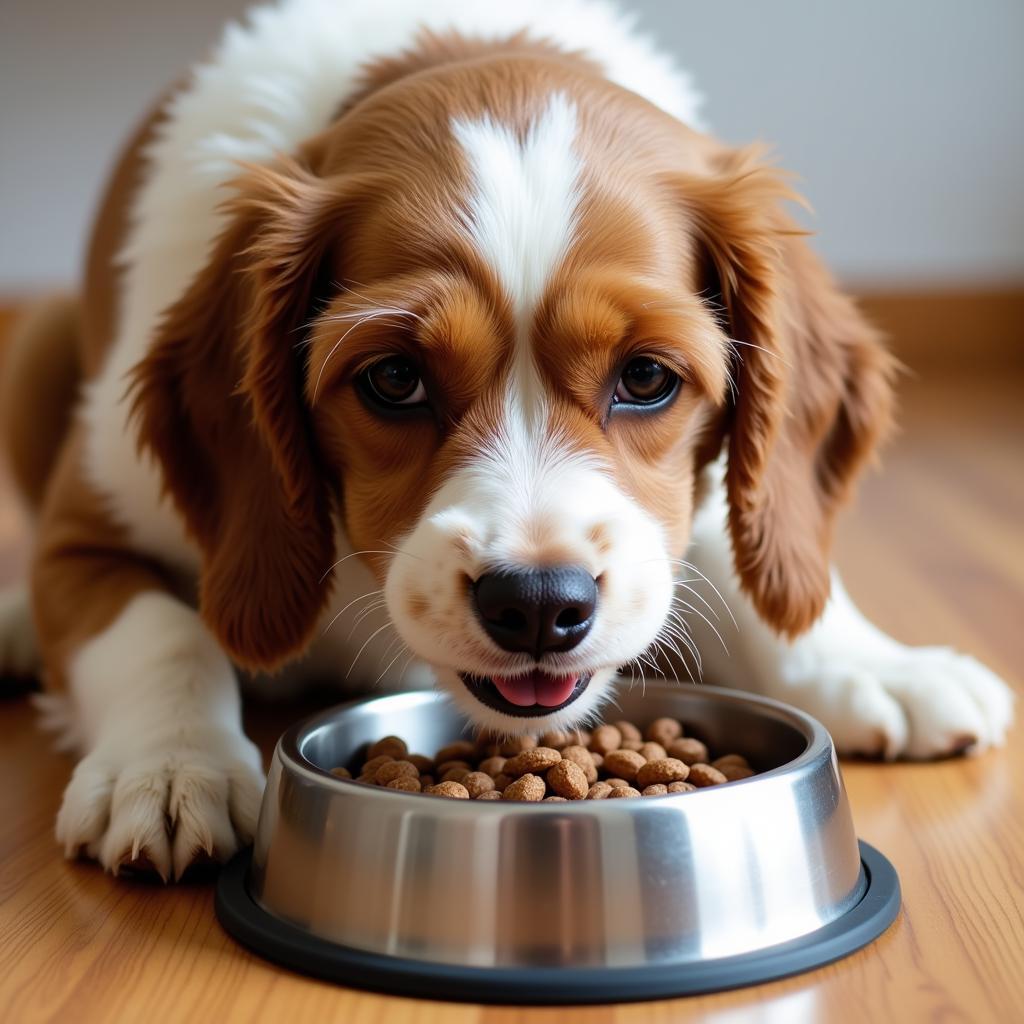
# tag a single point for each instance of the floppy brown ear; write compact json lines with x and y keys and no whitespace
{"x":218,"y":401}
{"x":812,"y":387}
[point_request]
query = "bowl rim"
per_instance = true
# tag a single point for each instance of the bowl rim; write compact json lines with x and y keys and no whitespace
{"x":289,"y":750}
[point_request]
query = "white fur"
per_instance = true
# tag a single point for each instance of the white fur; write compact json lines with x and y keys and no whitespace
{"x":875,"y":696}
{"x":19,"y":651}
{"x":490,"y":513}
{"x":521,"y":212}
{"x":166,"y":770}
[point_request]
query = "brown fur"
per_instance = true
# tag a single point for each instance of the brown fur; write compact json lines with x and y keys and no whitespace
{"x":39,"y":382}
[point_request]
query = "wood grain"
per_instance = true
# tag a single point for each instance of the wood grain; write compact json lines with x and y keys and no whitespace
{"x":934,"y":550}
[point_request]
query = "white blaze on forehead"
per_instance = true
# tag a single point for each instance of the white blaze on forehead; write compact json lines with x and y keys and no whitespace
{"x":521,"y":218}
{"x":521,"y":214}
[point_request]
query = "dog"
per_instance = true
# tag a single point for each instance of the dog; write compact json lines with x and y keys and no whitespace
{"x":438,"y":344}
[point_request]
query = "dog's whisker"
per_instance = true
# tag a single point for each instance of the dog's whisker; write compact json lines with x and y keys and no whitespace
{"x":366,"y":642}
{"x":361,"y":597}
{"x":368,"y":551}
{"x":690,"y":567}
{"x":374,"y":606}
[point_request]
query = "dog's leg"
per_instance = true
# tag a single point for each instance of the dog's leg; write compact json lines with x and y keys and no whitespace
{"x":144,"y":693}
{"x":876,"y":696}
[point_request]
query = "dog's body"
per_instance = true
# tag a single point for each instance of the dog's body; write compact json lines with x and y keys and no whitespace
{"x":511,"y":205}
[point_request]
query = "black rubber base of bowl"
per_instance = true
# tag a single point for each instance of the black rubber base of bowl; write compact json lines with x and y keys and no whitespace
{"x":292,"y":947}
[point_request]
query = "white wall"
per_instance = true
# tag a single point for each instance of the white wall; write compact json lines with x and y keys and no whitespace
{"x":905,"y":118}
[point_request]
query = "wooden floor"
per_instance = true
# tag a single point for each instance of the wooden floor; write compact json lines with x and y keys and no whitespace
{"x":934,"y":550}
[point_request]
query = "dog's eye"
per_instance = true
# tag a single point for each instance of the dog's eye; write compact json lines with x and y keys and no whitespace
{"x":645,"y":381}
{"x":394,"y":381}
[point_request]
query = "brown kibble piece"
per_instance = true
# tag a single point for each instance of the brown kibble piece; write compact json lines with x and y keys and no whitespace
{"x":581,"y":756}
{"x":366,"y":779}
{"x":501,"y":780}
{"x":392,"y":745}
{"x":667,"y":769}
{"x":652,"y":751}
{"x":443,"y":767}
{"x":568,"y":780}
{"x":664,"y":731}
{"x":605,"y":738}
{"x":623,"y":764}
{"x":597,"y":758}
{"x":455,"y":774}
{"x":655,"y":789}
{"x":371,"y":766}
{"x":628,"y":730}
{"x":405,"y":782}
{"x":534,"y":761}
{"x":492,"y":766}
{"x":516,"y":745}
{"x":681,"y":787}
{"x":341,"y":773}
{"x":526,"y":787}
{"x":395,"y":769}
{"x":598,"y":791}
{"x":554,"y":800}
{"x":688,"y":750}
{"x":422,"y":762}
{"x":730,"y":759}
{"x":634,"y":745}
{"x":451,"y":790}
{"x":477,"y":783}
{"x":627,"y":792}
{"x":490,"y":794}
{"x":459,"y":750}
{"x":426,"y":779}
{"x":617,"y":783}
{"x":702,"y":775}
{"x":556,"y":738}
{"x":735,"y":772}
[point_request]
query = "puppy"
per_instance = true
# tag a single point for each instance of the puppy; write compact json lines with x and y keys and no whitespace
{"x":421,"y":345}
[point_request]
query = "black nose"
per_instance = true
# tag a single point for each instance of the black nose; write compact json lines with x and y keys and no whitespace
{"x":537,"y":610}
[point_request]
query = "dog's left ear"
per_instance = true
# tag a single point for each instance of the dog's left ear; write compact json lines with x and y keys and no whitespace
{"x":219,"y":403}
{"x":812,"y":385}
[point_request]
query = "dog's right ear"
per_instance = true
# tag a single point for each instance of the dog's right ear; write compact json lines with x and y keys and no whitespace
{"x":219,"y":403}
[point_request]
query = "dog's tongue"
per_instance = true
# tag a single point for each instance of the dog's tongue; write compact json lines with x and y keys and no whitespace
{"x":535,"y":688}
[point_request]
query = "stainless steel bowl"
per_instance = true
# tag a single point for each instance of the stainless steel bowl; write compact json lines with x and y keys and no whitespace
{"x":684,"y":879}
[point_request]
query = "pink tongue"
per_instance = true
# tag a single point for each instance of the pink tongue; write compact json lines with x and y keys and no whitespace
{"x":535,"y":688}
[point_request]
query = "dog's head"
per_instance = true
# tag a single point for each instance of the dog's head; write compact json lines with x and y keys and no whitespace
{"x":494,"y":321}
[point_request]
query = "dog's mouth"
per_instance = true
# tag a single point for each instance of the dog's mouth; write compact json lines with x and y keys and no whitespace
{"x":526,"y":696}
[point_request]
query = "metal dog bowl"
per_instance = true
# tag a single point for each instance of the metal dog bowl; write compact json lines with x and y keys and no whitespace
{"x":584,"y":901}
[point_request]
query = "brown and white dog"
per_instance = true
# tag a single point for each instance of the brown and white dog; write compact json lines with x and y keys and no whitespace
{"x":420,"y":343}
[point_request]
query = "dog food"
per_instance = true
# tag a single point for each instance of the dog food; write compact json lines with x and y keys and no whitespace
{"x":617,"y":761}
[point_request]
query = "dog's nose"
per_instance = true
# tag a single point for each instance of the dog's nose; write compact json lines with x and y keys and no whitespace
{"x":537,"y":610}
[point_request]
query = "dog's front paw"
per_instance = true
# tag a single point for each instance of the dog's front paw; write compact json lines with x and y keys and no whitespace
{"x":169,"y":805}
{"x":916,"y":703}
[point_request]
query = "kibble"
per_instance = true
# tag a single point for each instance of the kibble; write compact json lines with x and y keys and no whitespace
{"x":688,"y":750}
{"x":526,"y":787}
{"x":624,"y":764}
{"x":665,"y":770}
{"x":395,"y":769}
{"x":477,"y":783}
{"x":605,"y":738}
{"x":390,"y":745}
{"x":664,"y":731}
{"x":568,"y":780}
{"x":534,"y":761}
{"x":704,"y":775}
{"x":452,"y":790}
{"x":617,"y":761}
